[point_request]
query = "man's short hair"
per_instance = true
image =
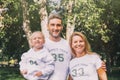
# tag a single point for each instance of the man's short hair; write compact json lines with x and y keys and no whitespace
{"x":53,"y":16}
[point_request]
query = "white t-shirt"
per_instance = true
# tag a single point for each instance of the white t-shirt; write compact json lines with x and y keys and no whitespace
{"x":62,"y":56}
{"x":85,"y":68}
{"x":37,"y":61}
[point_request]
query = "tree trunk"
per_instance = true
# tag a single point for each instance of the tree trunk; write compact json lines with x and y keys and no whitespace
{"x":71,"y":20}
{"x":26,"y":21}
{"x":70,"y":28}
{"x":43,"y":17}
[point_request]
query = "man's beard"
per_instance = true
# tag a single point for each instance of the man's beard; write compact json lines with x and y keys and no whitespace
{"x":55,"y":36}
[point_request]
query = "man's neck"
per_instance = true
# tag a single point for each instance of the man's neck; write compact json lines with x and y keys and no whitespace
{"x":55,"y":39}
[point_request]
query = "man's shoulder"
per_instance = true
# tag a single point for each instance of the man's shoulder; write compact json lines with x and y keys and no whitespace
{"x":64,"y":39}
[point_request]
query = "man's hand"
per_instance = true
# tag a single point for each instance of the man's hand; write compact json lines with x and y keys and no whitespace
{"x":103,"y":66}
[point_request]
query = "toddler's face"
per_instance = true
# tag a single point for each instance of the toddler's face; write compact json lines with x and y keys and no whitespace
{"x":37,"y":41}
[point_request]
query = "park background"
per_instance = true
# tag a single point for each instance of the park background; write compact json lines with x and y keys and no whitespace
{"x":99,"y":20}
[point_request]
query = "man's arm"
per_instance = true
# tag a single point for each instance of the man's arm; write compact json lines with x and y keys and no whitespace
{"x":104,"y":66}
{"x":102,"y":74}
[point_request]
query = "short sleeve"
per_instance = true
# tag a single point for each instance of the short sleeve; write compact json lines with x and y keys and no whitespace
{"x":98,"y":61}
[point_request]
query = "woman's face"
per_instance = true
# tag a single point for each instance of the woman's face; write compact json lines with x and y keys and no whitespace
{"x":78,"y":44}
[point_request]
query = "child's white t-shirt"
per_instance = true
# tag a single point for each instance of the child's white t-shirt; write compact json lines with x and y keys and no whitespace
{"x":37,"y":61}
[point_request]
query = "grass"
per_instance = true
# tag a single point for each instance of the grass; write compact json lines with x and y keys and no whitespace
{"x":115,"y":75}
{"x":11,"y":73}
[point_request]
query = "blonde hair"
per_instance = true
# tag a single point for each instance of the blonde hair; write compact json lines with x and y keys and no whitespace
{"x":87,"y":45}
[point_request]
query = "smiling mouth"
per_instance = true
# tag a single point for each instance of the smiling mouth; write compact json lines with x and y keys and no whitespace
{"x":56,"y":31}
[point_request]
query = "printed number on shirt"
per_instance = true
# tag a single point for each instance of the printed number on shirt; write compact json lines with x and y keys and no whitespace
{"x":77,"y":72}
{"x":58,"y":57}
{"x":33,"y":62}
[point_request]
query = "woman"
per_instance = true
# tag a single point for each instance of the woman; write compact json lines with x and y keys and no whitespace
{"x":85,"y":65}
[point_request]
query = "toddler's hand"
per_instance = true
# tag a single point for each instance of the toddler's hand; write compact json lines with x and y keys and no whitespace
{"x":38,"y":74}
{"x":24,"y":72}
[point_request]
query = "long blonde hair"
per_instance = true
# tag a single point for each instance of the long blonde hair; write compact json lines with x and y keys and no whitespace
{"x":87,"y":45}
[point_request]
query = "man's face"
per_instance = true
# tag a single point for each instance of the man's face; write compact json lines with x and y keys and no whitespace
{"x":55,"y":27}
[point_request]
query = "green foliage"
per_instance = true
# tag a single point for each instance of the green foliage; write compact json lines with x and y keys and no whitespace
{"x":12,"y":41}
{"x":10,"y":74}
{"x":34,"y":16}
{"x":12,"y":37}
{"x":89,"y":18}
{"x":99,"y":20}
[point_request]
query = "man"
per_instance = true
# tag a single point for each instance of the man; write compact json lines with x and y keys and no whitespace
{"x":58,"y":47}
